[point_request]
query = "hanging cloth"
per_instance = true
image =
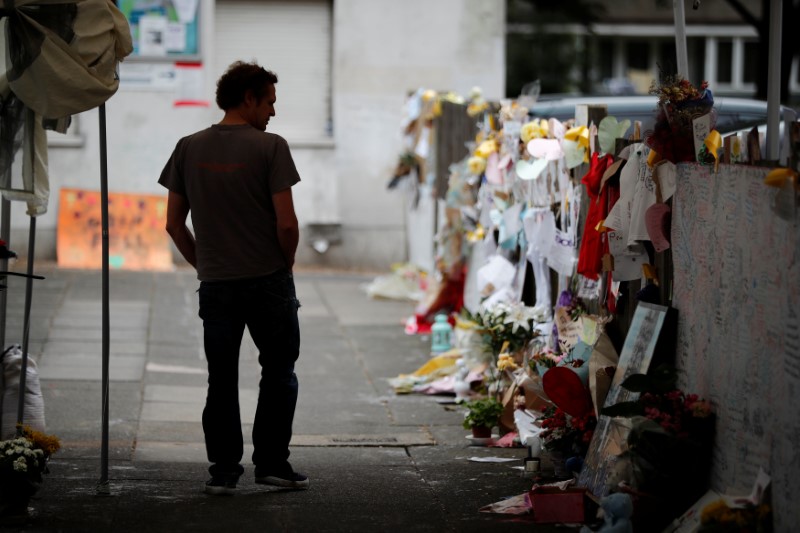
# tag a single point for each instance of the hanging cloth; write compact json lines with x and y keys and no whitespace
{"x":590,"y":258}
{"x":63,"y":55}
{"x":61,"y":59}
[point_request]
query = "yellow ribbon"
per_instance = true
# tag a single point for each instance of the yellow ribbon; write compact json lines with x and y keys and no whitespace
{"x":579,"y":134}
{"x":653,"y":158}
{"x":777,"y":178}
{"x":600,"y":227}
{"x":713,"y":142}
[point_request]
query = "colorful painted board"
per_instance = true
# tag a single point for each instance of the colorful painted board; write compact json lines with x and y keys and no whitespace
{"x":136,"y":234}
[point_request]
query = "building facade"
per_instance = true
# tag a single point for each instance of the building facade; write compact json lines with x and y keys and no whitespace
{"x":345,"y":68}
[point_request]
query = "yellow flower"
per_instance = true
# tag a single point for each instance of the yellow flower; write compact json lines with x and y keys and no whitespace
{"x":428,"y":95}
{"x":476,"y":108}
{"x":533,"y":130}
{"x":476,"y":165}
{"x":506,"y":362}
{"x":486,"y":148}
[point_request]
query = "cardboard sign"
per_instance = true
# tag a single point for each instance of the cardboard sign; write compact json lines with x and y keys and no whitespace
{"x":136,"y":235}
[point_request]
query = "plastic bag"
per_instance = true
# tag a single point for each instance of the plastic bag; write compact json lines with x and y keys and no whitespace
{"x":34,"y":402}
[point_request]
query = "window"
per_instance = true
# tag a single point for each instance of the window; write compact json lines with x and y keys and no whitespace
{"x":667,"y":56}
{"x":696,"y":50}
{"x":725,"y":61}
{"x":605,"y":59}
{"x":638,"y":55}
{"x":750,"y":61}
{"x":292,"y":38}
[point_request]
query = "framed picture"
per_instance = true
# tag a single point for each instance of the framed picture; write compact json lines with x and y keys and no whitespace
{"x":610,"y":436}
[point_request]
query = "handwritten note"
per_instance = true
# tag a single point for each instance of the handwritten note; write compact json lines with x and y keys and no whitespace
{"x":702,"y":127}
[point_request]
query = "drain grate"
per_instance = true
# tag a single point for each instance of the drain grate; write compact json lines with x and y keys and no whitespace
{"x":397,"y":439}
{"x":364,"y":440}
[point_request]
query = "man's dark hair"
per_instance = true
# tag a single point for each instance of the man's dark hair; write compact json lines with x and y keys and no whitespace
{"x":238,"y":79}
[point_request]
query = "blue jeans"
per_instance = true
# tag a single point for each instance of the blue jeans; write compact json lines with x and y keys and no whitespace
{"x":268,"y":307}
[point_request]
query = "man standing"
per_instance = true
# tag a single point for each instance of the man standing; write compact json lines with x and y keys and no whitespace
{"x":236,"y":181}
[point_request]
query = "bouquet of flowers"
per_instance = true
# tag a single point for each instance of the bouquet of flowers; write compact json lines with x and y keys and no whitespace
{"x":23,"y":460}
{"x":679,"y":103}
{"x":506,"y":327}
{"x":548,"y":358}
{"x":670,"y":440}
{"x":569,"y":435}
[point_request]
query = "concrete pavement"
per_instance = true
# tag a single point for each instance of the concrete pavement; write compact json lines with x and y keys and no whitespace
{"x":377,"y":461}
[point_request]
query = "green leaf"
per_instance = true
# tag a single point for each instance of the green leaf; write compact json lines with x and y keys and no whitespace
{"x":626,"y":409}
{"x":637,"y":383}
{"x":664,"y":379}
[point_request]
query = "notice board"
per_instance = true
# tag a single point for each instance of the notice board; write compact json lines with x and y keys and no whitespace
{"x":737,"y":291}
{"x":136,"y":236}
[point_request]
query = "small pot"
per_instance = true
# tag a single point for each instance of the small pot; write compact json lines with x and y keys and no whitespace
{"x":482,"y":432}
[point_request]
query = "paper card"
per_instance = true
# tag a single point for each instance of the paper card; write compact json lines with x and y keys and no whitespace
{"x":175,"y":37}
{"x":574,"y":153}
{"x":702,"y":127}
{"x":492,"y":171}
{"x":549,"y":149}
{"x":628,"y":260}
{"x":591,"y":330}
{"x":152,"y":35}
{"x":423,"y":147}
{"x":569,"y":331}
{"x":561,"y":255}
{"x":496,"y":274}
{"x":667,"y":177}
{"x":512,"y":220}
{"x":530,"y":170}
{"x":588,"y":289}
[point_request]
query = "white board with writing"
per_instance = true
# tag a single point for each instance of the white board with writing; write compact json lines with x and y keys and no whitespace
{"x":737,"y":292}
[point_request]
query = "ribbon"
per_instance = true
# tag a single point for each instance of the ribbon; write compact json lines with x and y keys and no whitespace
{"x":713,"y":142}
{"x":580,"y":135}
{"x":778,"y":177}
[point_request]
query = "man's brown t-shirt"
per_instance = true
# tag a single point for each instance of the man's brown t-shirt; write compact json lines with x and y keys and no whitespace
{"x":228,"y":174}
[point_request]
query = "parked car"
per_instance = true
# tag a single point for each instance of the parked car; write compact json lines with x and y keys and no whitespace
{"x":732,"y":113}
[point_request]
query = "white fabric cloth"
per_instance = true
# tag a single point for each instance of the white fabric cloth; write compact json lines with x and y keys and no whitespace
{"x":35,"y":178}
{"x":77,"y":75}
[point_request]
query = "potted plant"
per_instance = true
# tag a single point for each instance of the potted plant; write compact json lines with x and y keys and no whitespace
{"x":482,"y":415}
{"x":23,"y":460}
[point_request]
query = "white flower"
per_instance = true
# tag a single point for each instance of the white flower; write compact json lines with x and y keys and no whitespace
{"x":20,"y":465}
{"x":519,"y":316}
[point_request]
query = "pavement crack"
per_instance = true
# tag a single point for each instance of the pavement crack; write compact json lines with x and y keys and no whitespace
{"x":434,"y":495}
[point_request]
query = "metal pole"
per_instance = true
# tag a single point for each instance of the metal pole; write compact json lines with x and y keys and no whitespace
{"x":5,"y":231}
{"x":680,"y":38}
{"x":102,"y":486}
{"x":5,"y":235}
{"x":23,"y":373}
{"x":774,"y":79}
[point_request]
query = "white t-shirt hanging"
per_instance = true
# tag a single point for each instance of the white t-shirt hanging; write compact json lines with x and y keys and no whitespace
{"x":644,"y":196}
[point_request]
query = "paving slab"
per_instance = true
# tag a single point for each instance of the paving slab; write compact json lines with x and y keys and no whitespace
{"x":378,"y":461}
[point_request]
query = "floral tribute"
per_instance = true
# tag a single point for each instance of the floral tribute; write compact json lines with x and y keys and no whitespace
{"x":679,"y":103}
{"x":569,"y":435}
{"x":506,"y":327}
{"x":669,"y":443}
{"x":23,"y":460}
